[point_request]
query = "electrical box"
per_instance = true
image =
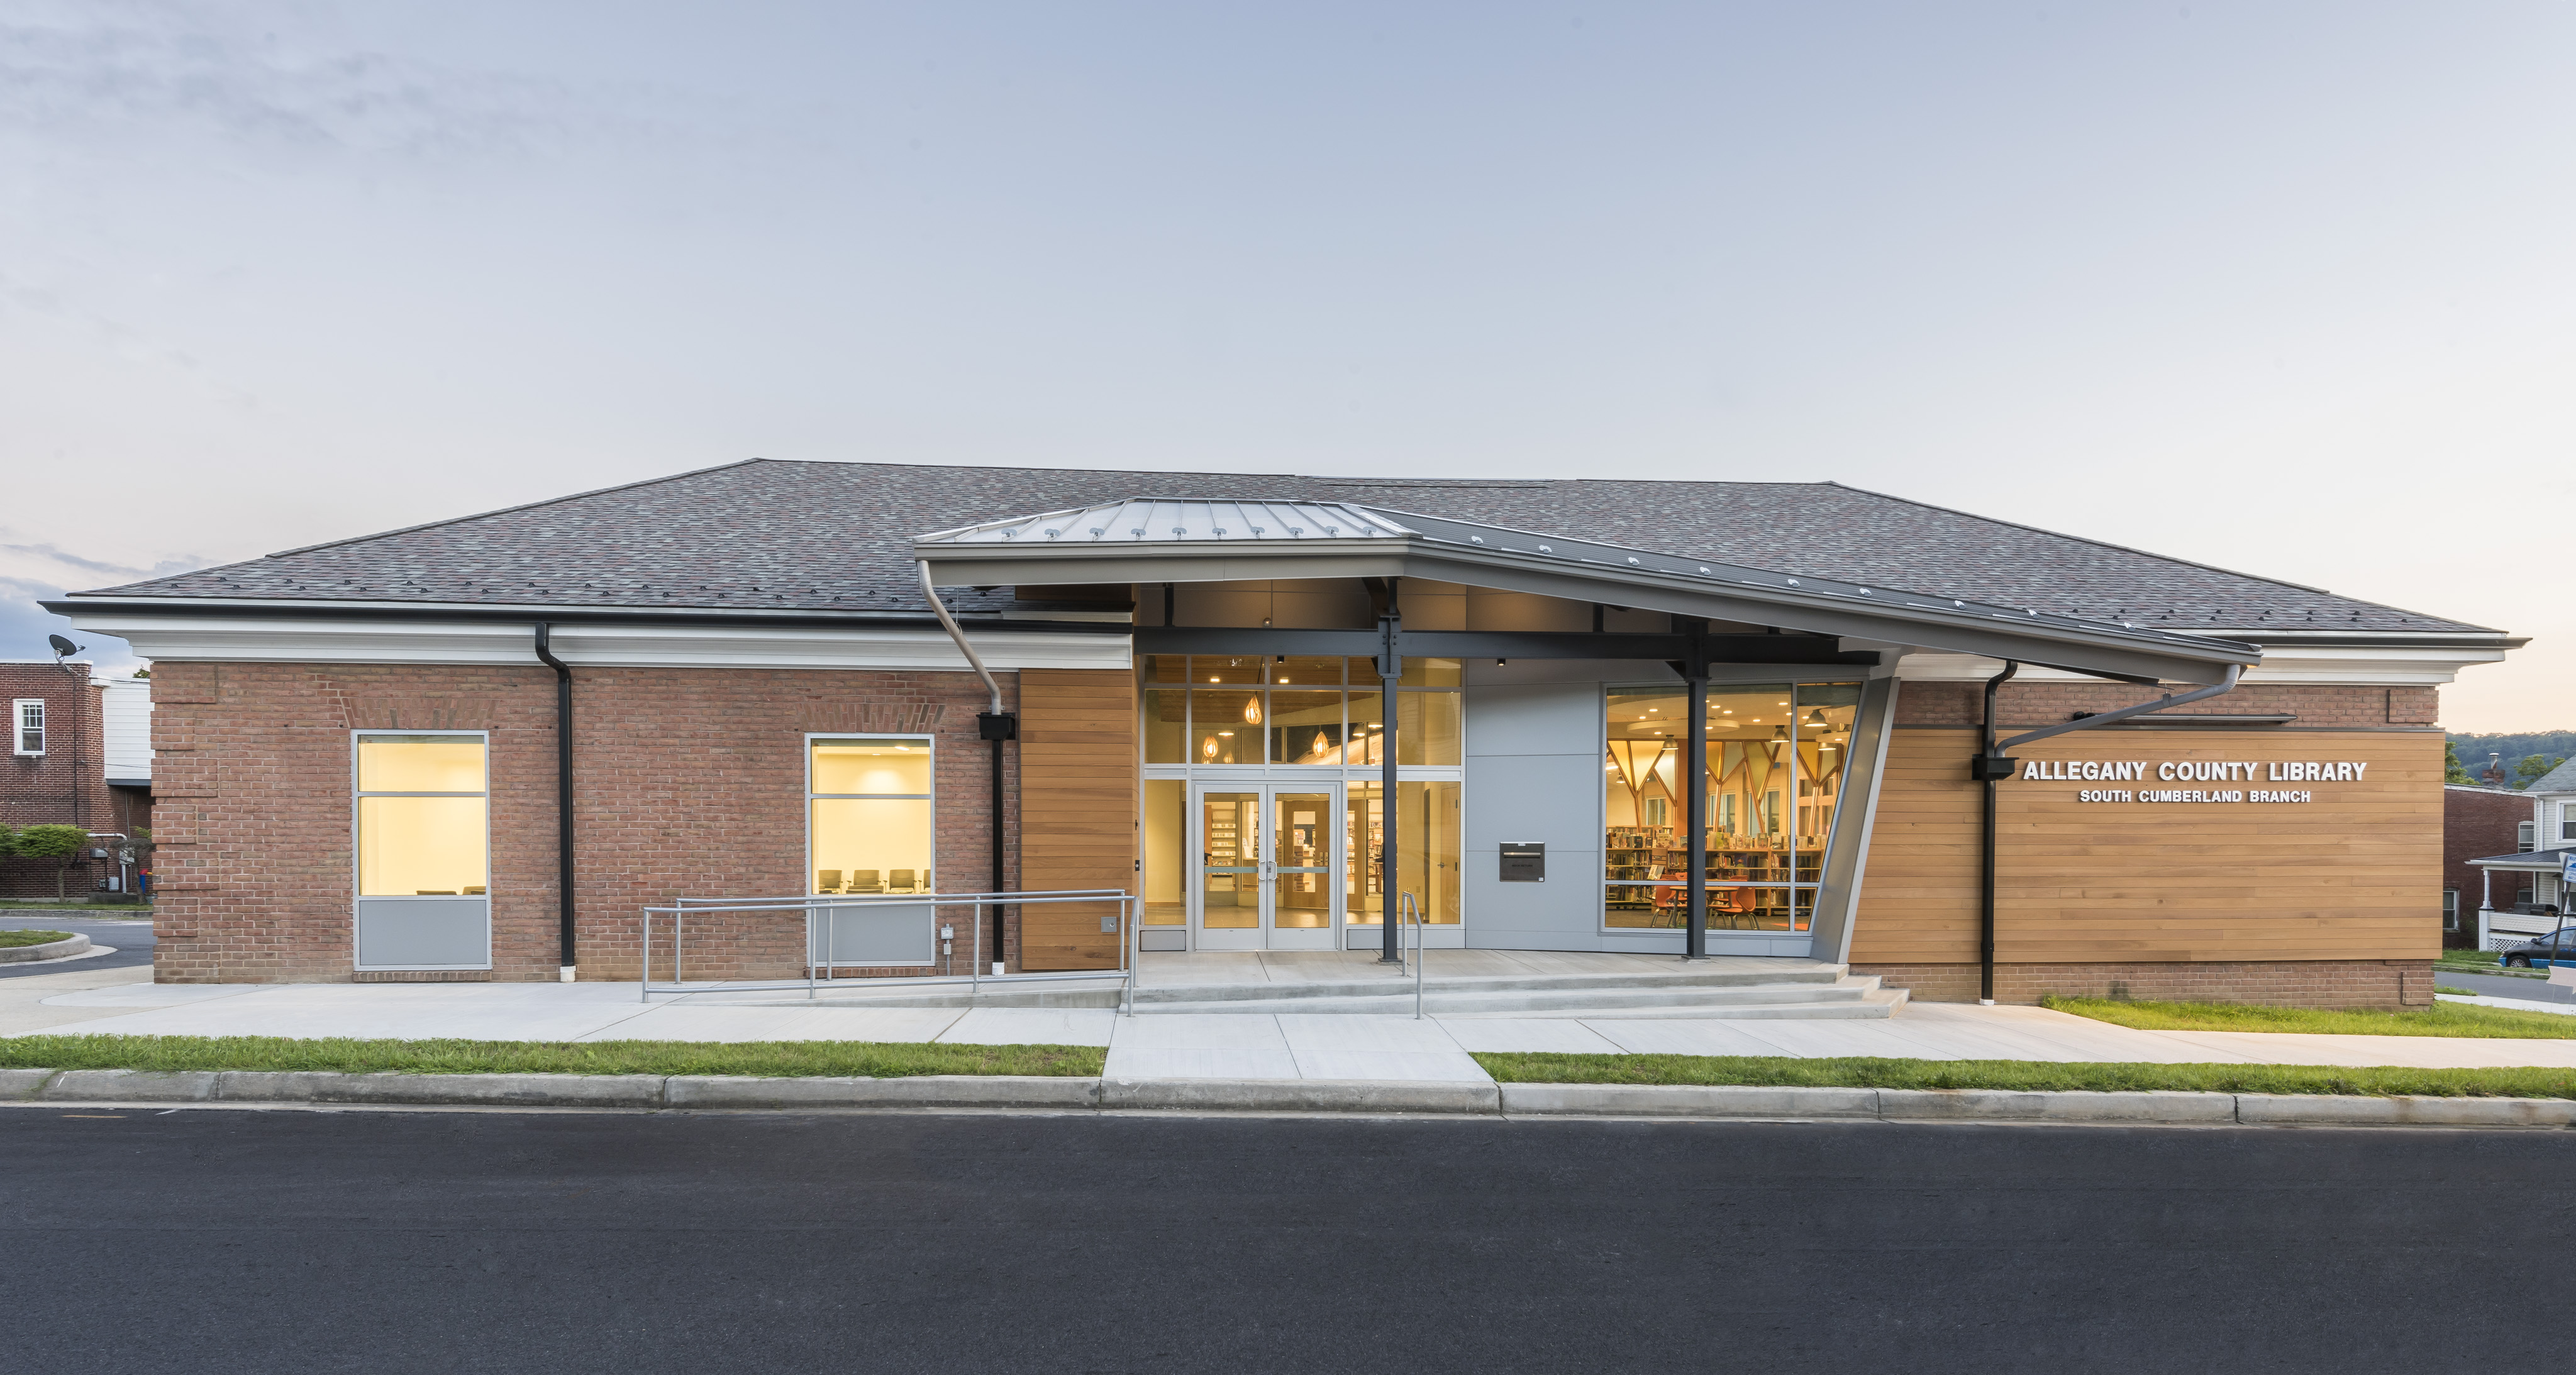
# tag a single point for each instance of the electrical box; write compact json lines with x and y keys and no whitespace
{"x":1524,"y":861}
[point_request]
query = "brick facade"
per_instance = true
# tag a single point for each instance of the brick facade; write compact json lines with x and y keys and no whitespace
{"x":2285,"y":983}
{"x":2477,"y":823}
{"x":689,"y":783}
{"x":64,"y":786}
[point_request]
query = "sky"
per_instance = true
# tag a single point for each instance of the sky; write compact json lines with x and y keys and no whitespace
{"x":2280,"y":287}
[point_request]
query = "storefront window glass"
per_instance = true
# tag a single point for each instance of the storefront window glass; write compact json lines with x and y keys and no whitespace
{"x":1775,"y":775}
{"x":422,"y":814}
{"x":1229,"y":726}
{"x":1164,"y":832}
{"x":869,"y":814}
{"x":1167,"y":709}
{"x":1427,"y":851}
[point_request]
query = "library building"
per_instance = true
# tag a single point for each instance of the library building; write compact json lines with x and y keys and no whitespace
{"x":1229,"y":721}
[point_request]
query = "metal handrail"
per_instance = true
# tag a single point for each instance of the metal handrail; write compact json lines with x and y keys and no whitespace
{"x":1407,"y":909}
{"x":1129,"y":915}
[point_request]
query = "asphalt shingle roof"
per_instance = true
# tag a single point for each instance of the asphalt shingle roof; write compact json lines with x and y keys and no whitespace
{"x":780,"y":535}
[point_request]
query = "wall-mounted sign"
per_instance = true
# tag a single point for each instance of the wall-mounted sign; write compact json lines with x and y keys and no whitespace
{"x":1524,"y":861}
{"x":2196,"y":771}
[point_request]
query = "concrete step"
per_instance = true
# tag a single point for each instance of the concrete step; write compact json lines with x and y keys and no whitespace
{"x":1821,"y":974}
{"x":1856,"y":995}
{"x":1876,"y":1004}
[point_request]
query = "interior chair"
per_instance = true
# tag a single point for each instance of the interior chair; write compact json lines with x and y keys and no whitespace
{"x":900,"y":881}
{"x":827,"y":880}
{"x":866,"y":881}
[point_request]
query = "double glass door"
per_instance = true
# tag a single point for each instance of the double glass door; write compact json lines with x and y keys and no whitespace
{"x":1270,"y":866}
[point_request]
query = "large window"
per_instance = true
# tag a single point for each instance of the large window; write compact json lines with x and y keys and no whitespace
{"x":1772,"y":787}
{"x":868,"y":801}
{"x":1297,"y":709}
{"x":423,"y":805}
{"x":1427,"y":851}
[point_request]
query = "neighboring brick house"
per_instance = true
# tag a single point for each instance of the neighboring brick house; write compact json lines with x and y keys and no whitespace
{"x":79,"y":755}
{"x":2478,"y":822}
{"x":1191,"y":697}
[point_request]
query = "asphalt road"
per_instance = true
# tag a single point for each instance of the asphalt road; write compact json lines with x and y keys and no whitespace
{"x":132,"y":937}
{"x":147,"y":1241}
{"x":2506,"y":986}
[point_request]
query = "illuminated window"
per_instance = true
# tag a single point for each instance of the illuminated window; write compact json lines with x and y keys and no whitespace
{"x":423,"y":804}
{"x":868,"y":801}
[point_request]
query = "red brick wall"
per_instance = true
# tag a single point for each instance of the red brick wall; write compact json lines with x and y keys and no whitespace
{"x":64,"y":786}
{"x":2024,"y":705}
{"x":2476,"y":824}
{"x":2287,"y":983}
{"x":690,"y":783}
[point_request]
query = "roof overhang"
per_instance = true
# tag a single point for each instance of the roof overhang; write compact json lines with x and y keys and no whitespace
{"x":1159,"y":540}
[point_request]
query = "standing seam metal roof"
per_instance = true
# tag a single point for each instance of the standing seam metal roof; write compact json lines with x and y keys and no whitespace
{"x":795,"y":535}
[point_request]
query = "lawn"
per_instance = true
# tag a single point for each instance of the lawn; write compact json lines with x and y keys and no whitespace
{"x":860,"y":1059}
{"x":2441,"y":1019}
{"x":1532,"y":1067}
{"x":10,"y":938}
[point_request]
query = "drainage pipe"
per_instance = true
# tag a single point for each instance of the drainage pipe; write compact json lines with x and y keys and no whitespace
{"x":1989,"y":769}
{"x":1991,"y":766}
{"x":995,"y":726}
{"x":563,"y":800}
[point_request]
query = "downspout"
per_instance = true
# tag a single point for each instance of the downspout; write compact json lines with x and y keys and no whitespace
{"x":994,"y":726}
{"x":1390,"y":677}
{"x":1991,"y":765}
{"x":563,"y":800}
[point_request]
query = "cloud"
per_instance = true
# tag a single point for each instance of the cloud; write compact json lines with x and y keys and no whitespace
{"x":102,"y":67}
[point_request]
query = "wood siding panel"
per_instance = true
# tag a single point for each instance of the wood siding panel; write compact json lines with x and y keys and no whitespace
{"x":2353,"y":875}
{"x":1077,"y":809}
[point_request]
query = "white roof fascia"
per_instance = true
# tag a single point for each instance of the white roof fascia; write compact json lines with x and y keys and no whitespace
{"x":1216,"y":543}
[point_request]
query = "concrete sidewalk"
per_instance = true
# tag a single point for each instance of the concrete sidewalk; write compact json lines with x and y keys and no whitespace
{"x":1232,"y":1047}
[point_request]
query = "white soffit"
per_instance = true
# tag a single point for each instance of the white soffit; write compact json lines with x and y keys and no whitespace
{"x":182,"y":639}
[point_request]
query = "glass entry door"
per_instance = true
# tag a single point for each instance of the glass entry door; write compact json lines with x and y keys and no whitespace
{"x":1269,"y":866}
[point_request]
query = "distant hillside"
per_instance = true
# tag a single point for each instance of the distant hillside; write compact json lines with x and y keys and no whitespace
{"x":2474,"y":749}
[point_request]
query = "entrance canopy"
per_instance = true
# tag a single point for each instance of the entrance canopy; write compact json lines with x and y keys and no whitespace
{"x":1151,"y":540}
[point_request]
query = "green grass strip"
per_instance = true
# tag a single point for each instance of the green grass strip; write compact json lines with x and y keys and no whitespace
{"x":10,"y":938}
{"x":782,"y":1059}
{"x":2441,"y":1019}
{"x":1864,"y":1072}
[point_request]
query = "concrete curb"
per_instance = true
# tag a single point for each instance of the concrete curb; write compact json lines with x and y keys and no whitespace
{"x":50,"y":950}
{"x":1357,"y":1097}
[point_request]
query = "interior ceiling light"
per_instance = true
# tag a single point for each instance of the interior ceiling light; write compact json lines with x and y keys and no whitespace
{"x":1208,"y":747}
{"x":1252,"y":712}
{"x":1227,"y":734}
{"x":1816,"y":717}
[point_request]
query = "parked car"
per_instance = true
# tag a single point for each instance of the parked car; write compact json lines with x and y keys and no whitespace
{"x":2558,"y":947}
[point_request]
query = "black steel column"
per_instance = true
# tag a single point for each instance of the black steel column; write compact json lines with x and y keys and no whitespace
{"x":1695,"y":810}
{"x":1390,"y":671}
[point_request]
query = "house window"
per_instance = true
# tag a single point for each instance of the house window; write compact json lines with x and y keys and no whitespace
{"x":868,"y":813}
{"x":2567,"y":821}
{"x":423,"y":805}
{"x":28,"y":716}
{"x":2522,"y":837}
{"x":2450,"y":909}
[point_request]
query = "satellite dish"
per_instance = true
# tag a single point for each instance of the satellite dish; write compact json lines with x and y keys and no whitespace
{"x":62,"y":646}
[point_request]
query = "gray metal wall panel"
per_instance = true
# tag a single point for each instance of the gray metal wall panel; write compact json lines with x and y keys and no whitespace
{"x":876,"y":934}
{"x":424,"y":933}
{"x":1534,"y":773}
